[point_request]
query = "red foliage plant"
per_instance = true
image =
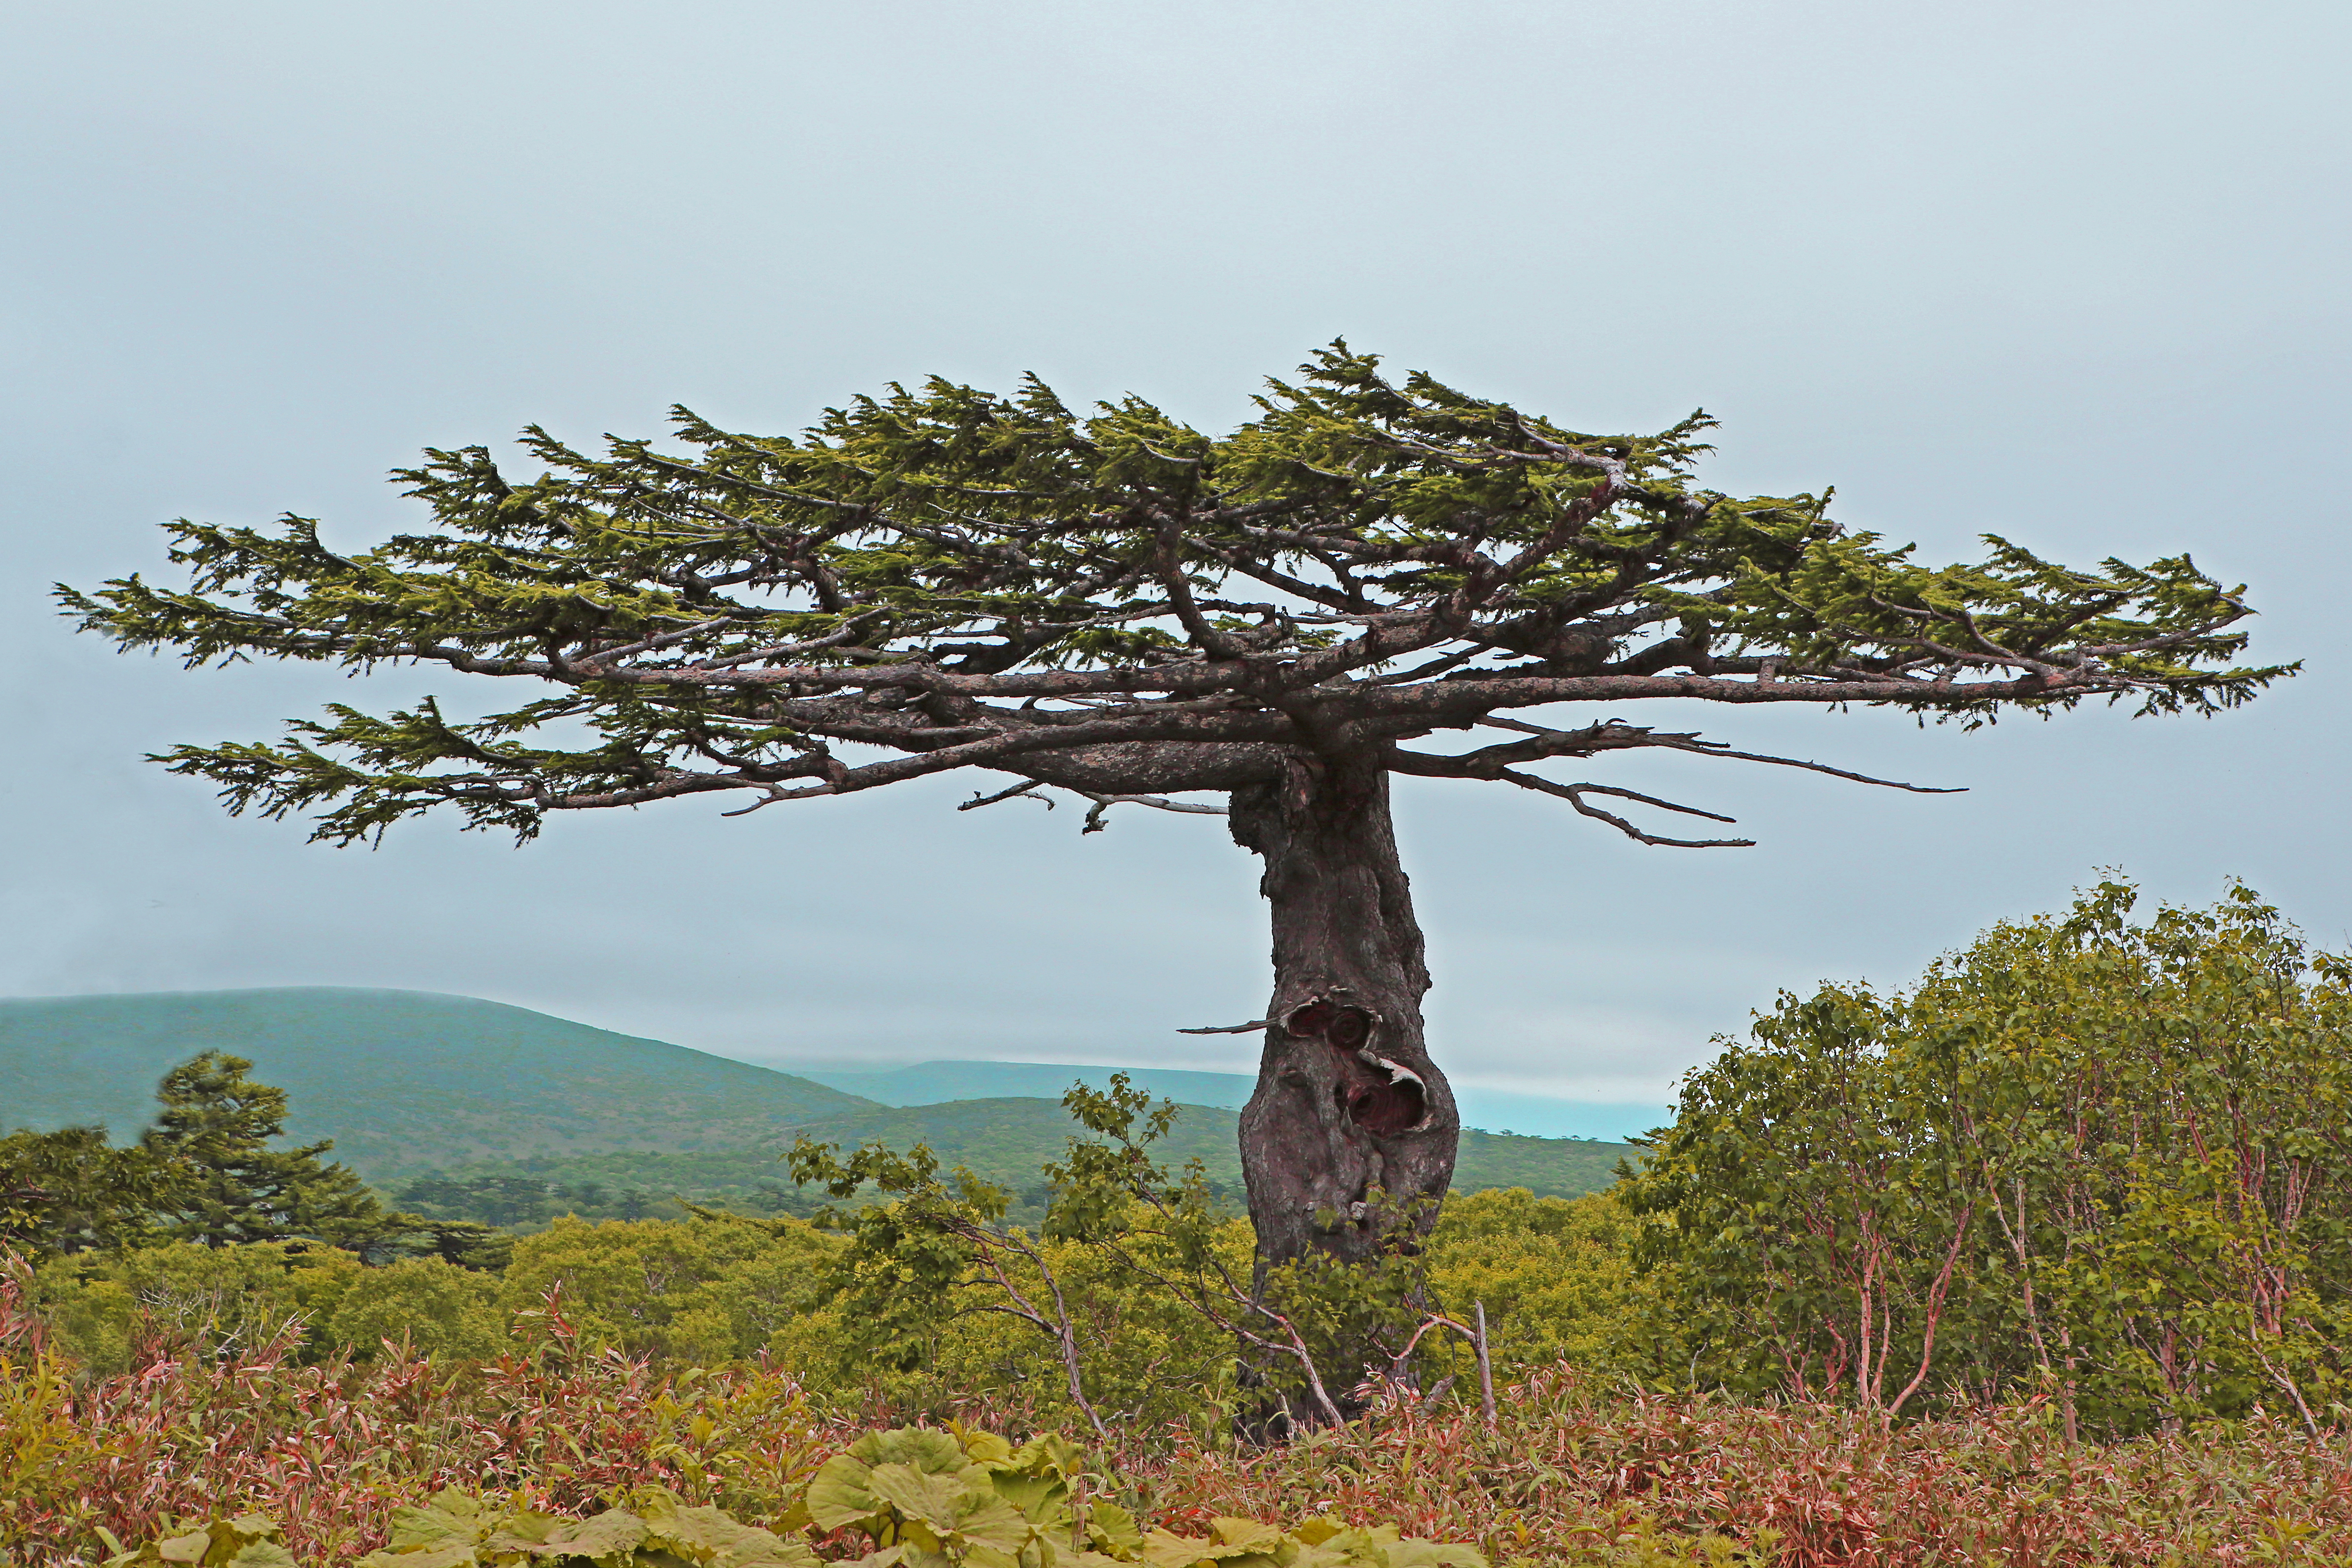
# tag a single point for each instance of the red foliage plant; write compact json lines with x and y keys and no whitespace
{"x":329,"y":1451}
{"x":1568,"y":1472}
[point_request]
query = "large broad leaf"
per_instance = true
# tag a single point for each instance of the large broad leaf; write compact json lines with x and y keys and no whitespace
{"x":839,"y":1493}
{"x":610,"y":1536}
{"x":262,"y":1554}
{"x":1250,"y":1534}
{"x":984,"y":1520}
{"x":1330,"y":1551}
{"x":189,"y":1548}
{"x":451,"y":1518}
{"x":988,"y":1449}
{"x":708,"y":1536}
{"x":1111,"y":1528}
{"x":1418,"y":1553}
{"x":1382,"y":1546}
{"x":1163,"y":1549}
{"x":939,"y":1500}
{"x":1045,"y":1500}
{"x":905,"y":1555}
{"x":1033,"y":1478}
{"x":518,"y":1533}
{"x":935,"y":1453}
{"x":459,"y":1554}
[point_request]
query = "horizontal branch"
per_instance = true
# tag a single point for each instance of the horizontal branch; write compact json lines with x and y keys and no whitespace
{"x":1573,"y":742}
{"x":1574,"y":794}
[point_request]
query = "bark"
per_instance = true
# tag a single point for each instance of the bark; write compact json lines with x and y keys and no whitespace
{"x":1348,"y":1100}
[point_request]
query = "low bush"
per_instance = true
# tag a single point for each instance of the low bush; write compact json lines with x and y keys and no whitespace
{"x":918,"y":1496}
{"x":1577,"y":1469}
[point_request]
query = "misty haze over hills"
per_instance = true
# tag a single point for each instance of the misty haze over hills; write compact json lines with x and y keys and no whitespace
{"x":929,"y":1083}
{"x":407,"y":1082}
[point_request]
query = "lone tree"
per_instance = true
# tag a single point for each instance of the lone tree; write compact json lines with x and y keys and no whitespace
{"x":1117,"y":605}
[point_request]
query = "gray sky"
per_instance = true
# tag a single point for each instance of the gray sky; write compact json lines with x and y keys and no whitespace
{"x":2072,"y":272}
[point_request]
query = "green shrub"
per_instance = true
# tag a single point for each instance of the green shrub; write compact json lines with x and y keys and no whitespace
{"x":205,"y":1300}
{"x":2102,"y":1162}
{"x":437,"y":1308}
{"x":704,"y":1289}
{"x":1556,"y":1276}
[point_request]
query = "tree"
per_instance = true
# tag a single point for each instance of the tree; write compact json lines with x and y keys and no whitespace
{"x":216,"y":1126}
{"x":2104,"y":1161}
{"x":71,"y":1191}
{"x":1118,"y":607}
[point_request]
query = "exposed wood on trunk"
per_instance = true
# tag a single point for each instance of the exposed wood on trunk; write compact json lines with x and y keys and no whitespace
{"x":1348,"y":1101}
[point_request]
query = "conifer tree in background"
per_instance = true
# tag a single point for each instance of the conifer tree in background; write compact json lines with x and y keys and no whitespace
{"x":1118,"y":607}
{"x":216,"y":1125}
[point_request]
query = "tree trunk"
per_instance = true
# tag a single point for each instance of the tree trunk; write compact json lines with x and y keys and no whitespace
{"x":1348,"y":1100}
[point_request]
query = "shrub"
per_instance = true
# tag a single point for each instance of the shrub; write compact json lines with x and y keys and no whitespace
{"x":707,"y":1289}
{"x":434,"y":1308}
{"x":2106,"y":1162}
{"x":1557,"y":1279}
{"x":109,"y":1309}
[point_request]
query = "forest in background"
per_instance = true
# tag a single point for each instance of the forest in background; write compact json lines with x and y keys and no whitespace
{"x":2077,"y":1197}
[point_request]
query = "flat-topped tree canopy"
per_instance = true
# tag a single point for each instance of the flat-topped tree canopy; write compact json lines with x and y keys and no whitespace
{"x":1117,"y":604}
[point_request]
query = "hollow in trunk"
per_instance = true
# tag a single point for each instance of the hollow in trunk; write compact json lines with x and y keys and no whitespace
{"x":1353,"y":1128}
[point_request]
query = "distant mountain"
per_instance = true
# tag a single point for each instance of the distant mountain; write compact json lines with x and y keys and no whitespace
{"x":932,"y":1083}
{"x":402,"y":1081}
{"x":407,"y":1082}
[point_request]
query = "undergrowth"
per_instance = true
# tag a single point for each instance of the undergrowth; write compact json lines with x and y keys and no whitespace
{"x":1572,"y":1471}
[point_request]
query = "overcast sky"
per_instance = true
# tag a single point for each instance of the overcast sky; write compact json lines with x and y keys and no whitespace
{"x":2073,"y":272}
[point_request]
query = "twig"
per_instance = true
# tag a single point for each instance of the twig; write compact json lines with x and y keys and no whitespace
{"x":1574,"y":794}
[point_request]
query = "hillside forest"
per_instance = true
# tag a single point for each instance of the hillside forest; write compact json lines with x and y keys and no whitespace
{"x":2050,"y":1246}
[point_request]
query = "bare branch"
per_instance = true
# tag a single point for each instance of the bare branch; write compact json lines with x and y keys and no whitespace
{"x":1022,"y":788}
{"x":1584,"y":741}
{"x":1574,"y":794}
{"x":1103,"y":803}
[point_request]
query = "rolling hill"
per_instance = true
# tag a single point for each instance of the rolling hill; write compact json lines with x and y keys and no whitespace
{"x":402,"y":1081}
{"x":409,"y":1082}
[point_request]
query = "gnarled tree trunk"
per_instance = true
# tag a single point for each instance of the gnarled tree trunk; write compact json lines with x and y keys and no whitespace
{"x":1348,"y":1100}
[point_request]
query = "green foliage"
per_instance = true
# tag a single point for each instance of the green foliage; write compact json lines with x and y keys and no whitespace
{"x":459,"y":1529}
{"x":932,"y":1280}
{"x":2106,"y":1162}
{"x":1138,"y":1278}
{"x":213,"y":1301}
{"x":1557,"y":1279}
{"x":247,"y":1540}
{"x":427,"y":1305}
{"x":707,"y":1290}
{"x":215,"y":1127}
{"x":103,"y":1307}
{"x":71,"y":1191}
{"x":933,"y":1500}
{"x":947,"y":538}
{"x":923,"y":1498}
